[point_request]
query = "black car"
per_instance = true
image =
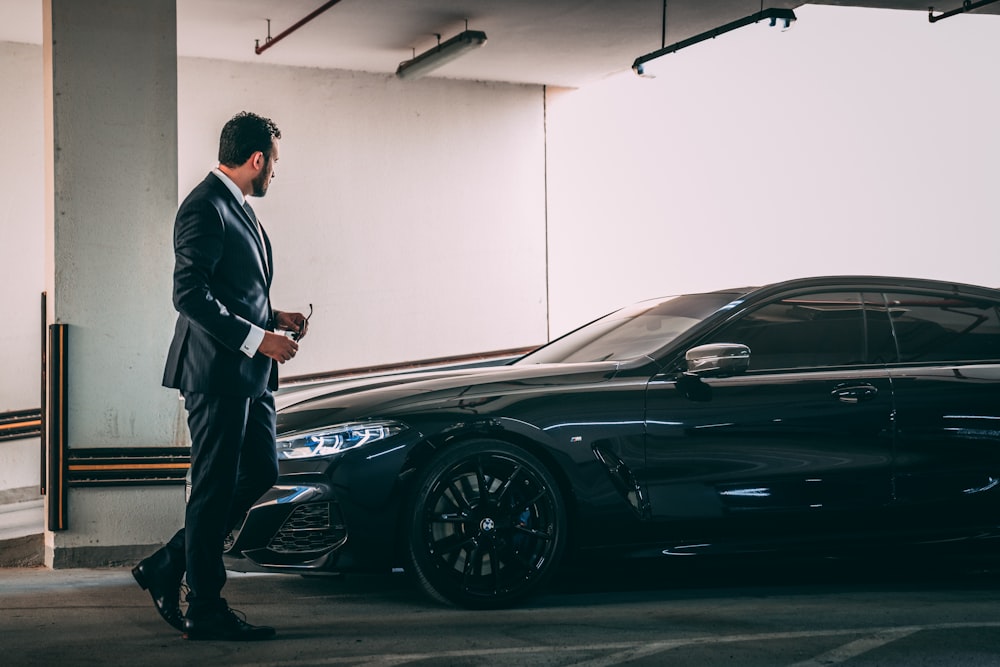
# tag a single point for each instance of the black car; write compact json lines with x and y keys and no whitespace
{"x":813,"y":416}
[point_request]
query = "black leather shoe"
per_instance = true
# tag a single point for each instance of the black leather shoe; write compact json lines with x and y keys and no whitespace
{"x":156,"y":575}
{"x":224,"y":624}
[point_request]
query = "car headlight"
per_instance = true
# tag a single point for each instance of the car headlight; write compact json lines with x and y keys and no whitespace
{"x":337,"y":438}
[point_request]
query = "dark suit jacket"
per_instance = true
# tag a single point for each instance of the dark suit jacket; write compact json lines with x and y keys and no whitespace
{"x":221,"y":285}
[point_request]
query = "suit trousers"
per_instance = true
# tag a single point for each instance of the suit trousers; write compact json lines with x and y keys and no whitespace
{"x":233,"y":462}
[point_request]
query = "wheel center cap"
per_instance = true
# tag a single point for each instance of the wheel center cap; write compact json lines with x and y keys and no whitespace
{"x":487,"y":525}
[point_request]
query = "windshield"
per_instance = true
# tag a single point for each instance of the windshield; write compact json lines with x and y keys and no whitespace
{"x":632,"y":332}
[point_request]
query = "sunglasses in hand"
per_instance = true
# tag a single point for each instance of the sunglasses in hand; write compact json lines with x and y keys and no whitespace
{"x":298,"y":334}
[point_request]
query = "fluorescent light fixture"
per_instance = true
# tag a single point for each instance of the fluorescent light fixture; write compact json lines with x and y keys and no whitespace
{"x":785,"y":16}
{"x":441,"y":54}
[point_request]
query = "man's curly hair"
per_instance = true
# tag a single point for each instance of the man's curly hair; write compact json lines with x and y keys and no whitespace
{"x":245,"y":134}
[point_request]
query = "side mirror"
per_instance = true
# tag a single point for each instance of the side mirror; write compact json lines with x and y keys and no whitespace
{"x":718,"y":359}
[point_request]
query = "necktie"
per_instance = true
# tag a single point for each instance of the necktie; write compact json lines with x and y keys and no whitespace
{"x":260,"y":231}
{"x":246,"y":207}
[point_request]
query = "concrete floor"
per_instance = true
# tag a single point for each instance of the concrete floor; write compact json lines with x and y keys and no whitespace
{"x":749,"y":617}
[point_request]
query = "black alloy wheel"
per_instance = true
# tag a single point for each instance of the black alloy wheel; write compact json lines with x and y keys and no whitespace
{"x":487,"y":525}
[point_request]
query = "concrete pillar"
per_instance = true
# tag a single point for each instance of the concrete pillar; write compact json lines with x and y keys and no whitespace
{"x":111,"y":194}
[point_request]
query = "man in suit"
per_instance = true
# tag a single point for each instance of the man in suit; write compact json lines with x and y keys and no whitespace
{"x":223,"y":358}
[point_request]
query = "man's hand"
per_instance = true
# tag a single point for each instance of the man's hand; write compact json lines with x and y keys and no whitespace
{"x":294,"y":322}
{"x":279,"y":347}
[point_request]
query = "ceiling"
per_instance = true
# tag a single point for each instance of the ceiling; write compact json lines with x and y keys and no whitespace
{"x":552,"y":42}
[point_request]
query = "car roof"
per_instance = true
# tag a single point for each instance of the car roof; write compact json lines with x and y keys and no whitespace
{"x":872,"y":282}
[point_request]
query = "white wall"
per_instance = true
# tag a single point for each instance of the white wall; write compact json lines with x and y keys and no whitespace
{"x":22,"y":280}
{"x":859,"y":141}
{"x":410,"y":214}
{"x":22,"y":226}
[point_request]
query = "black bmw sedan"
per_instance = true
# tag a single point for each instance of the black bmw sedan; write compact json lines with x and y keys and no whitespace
{"x":821,"y":416}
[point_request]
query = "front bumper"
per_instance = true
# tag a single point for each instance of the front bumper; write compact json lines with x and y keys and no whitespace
{"x":296,"y":526}
{"x":337,"y":514}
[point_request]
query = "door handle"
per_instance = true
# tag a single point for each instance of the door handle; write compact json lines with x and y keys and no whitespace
{"x":854,"y":393}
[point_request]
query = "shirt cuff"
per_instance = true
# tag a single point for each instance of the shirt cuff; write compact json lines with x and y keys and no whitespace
{"x":252,"y":341}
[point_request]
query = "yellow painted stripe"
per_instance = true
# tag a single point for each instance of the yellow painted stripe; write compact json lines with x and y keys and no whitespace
{"x":36,"y":422}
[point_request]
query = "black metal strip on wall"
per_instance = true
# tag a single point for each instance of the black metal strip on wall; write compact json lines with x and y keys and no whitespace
{"x":20,"y":424}
{"x":57,"y":430}
{"x":128,"y":466}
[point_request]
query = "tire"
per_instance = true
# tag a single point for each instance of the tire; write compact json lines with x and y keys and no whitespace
{"x":485,"y":550}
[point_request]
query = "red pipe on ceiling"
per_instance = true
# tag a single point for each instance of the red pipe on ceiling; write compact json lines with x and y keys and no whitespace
{"x":258,"y":49}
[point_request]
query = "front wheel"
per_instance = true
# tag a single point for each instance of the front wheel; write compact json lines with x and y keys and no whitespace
{"x":487,"y":525}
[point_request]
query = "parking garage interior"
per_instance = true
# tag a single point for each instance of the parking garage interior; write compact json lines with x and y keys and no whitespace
{"x":524,"y":189}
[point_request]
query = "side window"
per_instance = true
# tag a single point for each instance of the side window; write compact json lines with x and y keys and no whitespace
{"x":936,"y":328}
{"x":804,"y":331}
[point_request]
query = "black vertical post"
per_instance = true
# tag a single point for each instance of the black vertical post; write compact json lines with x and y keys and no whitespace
{"x":43,"y":472}
{"x":57,"y":428}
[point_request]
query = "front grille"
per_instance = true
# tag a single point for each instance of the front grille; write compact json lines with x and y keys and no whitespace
{"x":309,"y":528}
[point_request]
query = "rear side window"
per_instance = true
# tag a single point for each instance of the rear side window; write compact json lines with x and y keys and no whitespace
{"x":932,"y":328}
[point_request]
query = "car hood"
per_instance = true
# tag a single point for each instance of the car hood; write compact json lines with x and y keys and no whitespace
{"x":374,"y":396}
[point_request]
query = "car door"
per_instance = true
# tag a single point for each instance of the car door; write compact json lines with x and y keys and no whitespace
{"x":798,"y":448}
{"x":947,"y":385}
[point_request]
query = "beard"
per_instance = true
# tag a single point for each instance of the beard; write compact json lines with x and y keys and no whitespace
{"x":262,"y":180}
{"x":260,"y":184}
